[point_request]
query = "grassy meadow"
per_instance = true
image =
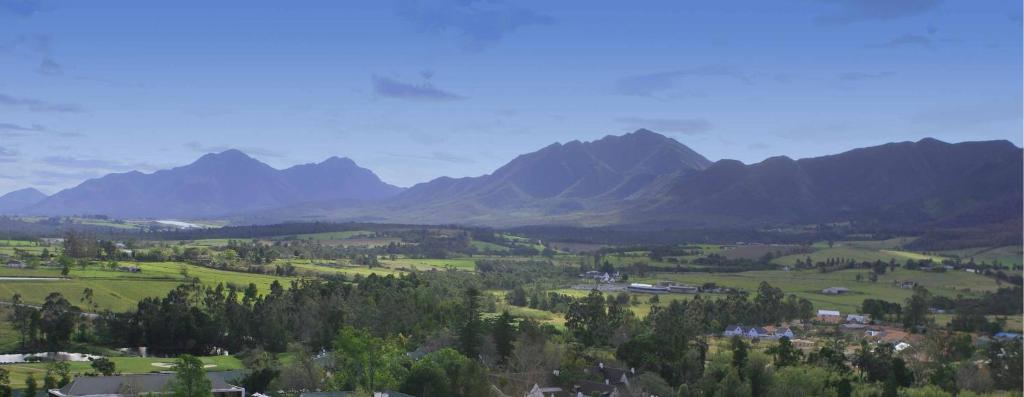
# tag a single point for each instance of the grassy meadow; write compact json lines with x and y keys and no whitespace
{"x":127,"y":365}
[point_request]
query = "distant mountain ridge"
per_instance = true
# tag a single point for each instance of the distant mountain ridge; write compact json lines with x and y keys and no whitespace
{"x":641,"y":179}
{"x":218,"y":184}
{"x":910,"y":182}
{"x":562,"y":177}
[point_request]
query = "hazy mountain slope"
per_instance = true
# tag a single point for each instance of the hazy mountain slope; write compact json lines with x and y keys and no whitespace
{"x":910,"y":182}
{"x":19,"y":200}
{"x":217,"y":184}
{"x":575,"y":172}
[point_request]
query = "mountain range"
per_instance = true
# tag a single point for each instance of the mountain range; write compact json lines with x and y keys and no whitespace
{"x":215,"y":185}
{"x":640,"y":179}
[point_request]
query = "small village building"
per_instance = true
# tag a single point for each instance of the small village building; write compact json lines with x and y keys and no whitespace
{"x":1007,"y":336}
{"x":829,"y":316}
{"x":613,"y":376}
{"x":646,"y":289}
{"x":684,"y":289}
{"x":16,"y":265}
{"x":907,"y":284}
{"x":835,"y":290}
{"x":733,"y":330}
{"x":384,"y":393}
{"x":757,"y":333}
{"x":858,"y":318}
{"x":784,"y":332}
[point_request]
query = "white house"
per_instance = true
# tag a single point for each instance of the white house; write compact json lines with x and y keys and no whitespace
{"x":733,"y":330}
{"x":858,"y":318}
{"x":757,"y":333}
{"x":784,"y":332}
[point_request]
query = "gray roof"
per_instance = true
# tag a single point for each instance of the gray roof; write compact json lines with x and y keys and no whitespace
{"x":131,"y":384}
{"x":390,"y":393}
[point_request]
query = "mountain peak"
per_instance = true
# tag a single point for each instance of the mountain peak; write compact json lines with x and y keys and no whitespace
{"x":230,"y":157}
{"x":27,"y":192}
{"x":338,"y":161}
{"x":20,"y":199}
{"x":227,"y":154}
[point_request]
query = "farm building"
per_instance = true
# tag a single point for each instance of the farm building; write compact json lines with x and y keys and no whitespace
{"x":684,"y":289}
{"x":647,"y":289}
{"x":835,"y":290}
{"x":829,"y":316}
{"x":858,"y":318}
{"x":16,"y":265}
{"x":757,"y":332}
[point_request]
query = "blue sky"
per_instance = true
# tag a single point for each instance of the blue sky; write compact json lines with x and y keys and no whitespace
{"x":419,"y":89}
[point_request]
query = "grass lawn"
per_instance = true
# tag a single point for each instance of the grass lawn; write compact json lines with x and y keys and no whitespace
{"x":127,"y":365}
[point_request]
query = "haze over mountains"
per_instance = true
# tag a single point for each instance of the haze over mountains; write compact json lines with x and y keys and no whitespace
{"x":641,"y":179}
{"x":219,"y":184}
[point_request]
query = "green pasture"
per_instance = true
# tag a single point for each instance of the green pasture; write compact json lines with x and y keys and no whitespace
{"x":856,"y":254}
{"x":17,"y":243}
{"x":126,"y":365}
{"x":344,"y":235}
{"x":117,"y":290}
{"x":484,"y":246}
{"x":1012,"y":255}
{"x":427,"y":264}
{"x":809,"y":283}
{"x":312,"y":267}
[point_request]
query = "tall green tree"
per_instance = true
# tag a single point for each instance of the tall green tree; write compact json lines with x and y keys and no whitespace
{"x":366,"y":362}
{"x":503,"y":333}
{"x":785,"y":354}
{"x":588,"y":319}
{"x":190,"y":378}
{"x":915,"y":313}
{"x":472,"y":329}
{"x":31,"y":386}
{"x":739,"y":353}
{"x":447,"y":373}
{"x":5,"y":383}
{"x":57,"y":320}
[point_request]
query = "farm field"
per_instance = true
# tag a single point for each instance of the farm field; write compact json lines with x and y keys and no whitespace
{"x":857,"y":254}
{"x":1012,"y":255}
{"x":427,"y":264}
{"x":312,"y":267}
{"x":9,"y":337}
{"x":127,"y":365}
{"x":809,"y":283}
{"x":117,"y":290}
